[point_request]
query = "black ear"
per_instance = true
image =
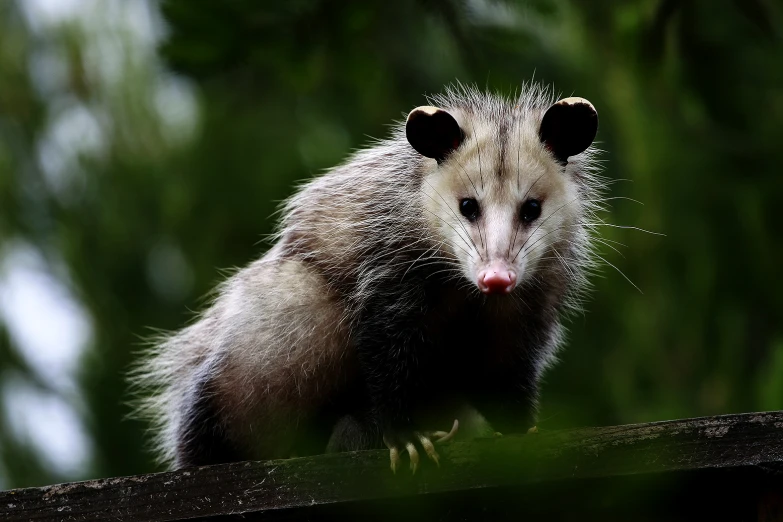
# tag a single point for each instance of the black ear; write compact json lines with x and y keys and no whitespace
{"x":433,"y":132}
{"x":569,"y":127}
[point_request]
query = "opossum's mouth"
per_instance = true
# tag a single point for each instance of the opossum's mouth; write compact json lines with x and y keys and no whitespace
{"x":497,"y":278}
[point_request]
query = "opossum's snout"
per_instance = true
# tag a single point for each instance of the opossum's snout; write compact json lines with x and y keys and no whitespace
{"x":497,"y":278}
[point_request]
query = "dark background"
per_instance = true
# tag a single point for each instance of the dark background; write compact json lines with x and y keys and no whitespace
{"x":144,"y":147}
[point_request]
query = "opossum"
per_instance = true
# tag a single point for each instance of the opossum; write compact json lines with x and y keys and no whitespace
{"x":422,"y":281}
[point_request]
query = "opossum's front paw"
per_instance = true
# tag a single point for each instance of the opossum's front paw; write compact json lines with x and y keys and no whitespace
{"x":407,"y":440}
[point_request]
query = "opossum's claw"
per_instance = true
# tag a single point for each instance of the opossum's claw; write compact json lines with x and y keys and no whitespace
{"x":411,"y":441}
{"x":394,"y":455}
{"x":442,"y":436}
{"x":429,"y":447}
{"x":414,"y":455}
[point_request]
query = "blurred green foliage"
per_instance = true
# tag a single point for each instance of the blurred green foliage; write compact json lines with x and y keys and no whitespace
{"x":138,"y":224}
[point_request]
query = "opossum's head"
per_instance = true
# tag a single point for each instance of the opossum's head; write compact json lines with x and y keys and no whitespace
{"x":499,"y":195}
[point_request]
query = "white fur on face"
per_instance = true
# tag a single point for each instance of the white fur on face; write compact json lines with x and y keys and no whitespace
{"x":500,"y":173}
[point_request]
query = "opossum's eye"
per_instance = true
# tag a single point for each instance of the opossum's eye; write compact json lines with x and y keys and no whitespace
{"x":568,"y":127}
{"x":469,"y":208}
{"x":530,"y":210}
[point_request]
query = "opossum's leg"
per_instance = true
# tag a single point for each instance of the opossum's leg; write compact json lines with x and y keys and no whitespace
{"x":398,"y":353}
{"x":351,"y":434}
{"x":277,"y":331}
{"x":508,"y":399}
{"x":389,"y":346}
{"x":287,"y":360}
{"x":202,"y":439}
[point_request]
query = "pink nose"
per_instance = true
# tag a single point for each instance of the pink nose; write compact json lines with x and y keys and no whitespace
{"x":496,"y":281}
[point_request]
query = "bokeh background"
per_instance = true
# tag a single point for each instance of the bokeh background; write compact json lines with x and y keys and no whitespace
{"x":144,"y":147}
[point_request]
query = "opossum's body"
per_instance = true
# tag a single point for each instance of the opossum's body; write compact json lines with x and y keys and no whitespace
{"x":381,"y":310}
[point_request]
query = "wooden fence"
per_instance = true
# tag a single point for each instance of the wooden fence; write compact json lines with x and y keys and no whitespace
{"x":715,"y":468}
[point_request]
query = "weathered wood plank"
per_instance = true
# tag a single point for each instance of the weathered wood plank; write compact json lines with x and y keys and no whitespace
{"x":753,"y":440}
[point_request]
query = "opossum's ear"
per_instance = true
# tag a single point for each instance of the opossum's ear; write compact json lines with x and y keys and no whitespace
{"x":569,"y":127}
{"x":433,"y":132}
